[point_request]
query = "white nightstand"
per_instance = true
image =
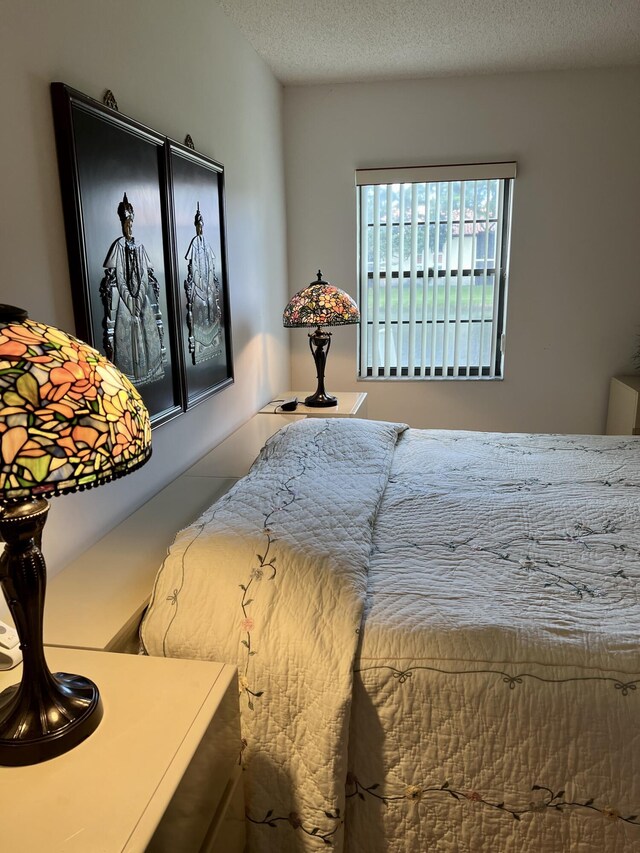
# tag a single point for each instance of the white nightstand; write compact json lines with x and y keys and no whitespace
{"x":351,"y":404}
{"x":160,"y":773}
{"x":623,"y":415}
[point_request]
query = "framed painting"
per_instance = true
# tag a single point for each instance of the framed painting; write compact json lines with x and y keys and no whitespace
{"x":113,"y":175}
{"x":196,"y":190}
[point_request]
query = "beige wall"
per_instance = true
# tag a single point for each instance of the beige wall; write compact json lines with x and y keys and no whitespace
{"x":574,"y":295}
{"x":180,"y":68}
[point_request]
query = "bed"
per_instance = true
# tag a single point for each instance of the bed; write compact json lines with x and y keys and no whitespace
{"x":437,"y":638}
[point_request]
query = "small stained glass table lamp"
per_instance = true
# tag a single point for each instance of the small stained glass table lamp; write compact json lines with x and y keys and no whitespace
{"x":320,"y":304}
{"x":69,"y":420}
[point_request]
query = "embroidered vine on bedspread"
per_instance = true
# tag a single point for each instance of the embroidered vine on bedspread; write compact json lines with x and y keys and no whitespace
{"x":529,"y":563}
{"x":265,"y":569}
{"x":518,"y":551}
{"x":174,"y":597}
{"x":295,"y":822}
{"x":404,"y":674}
{"x":549,"y":801}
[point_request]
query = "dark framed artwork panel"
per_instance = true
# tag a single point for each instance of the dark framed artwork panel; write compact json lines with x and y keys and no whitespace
{"x":114,"y":192}
{"x":200,"y":269}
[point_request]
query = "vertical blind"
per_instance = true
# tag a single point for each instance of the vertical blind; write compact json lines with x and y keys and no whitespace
{"x":433,"y":250}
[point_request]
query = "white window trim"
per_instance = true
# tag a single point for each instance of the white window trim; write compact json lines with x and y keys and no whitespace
{"x":382,"y":362}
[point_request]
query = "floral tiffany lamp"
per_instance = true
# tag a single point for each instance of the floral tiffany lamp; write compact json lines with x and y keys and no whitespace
{"x":320,"y":304}
{"x":69,"y":420}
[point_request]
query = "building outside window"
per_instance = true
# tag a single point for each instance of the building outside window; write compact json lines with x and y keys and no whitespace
{"x":433,"y":247}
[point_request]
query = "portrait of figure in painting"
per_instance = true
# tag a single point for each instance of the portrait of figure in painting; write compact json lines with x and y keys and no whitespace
{"x":133,"y":326}
{"x":202,"y":290}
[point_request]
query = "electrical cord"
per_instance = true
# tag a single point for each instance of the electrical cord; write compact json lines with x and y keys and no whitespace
{"x":284,"y":405}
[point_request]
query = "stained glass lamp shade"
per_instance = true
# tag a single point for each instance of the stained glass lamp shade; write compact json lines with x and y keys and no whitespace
{"x":69,"y":420}
{"x":320,"y":304}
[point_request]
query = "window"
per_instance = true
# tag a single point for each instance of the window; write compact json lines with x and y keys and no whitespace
{"x":433,"y":249}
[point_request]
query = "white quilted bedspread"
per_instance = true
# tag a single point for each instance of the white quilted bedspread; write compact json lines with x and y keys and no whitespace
{"x":273,"y":579}
{"x":484,"y":588}
{"x":497,"y":695}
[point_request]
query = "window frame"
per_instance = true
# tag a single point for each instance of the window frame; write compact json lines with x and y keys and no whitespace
{"x":504,"y":172}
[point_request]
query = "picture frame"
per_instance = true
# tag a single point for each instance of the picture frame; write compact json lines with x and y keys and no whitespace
{"x":114,"y":183}
{"x":198,"y":224}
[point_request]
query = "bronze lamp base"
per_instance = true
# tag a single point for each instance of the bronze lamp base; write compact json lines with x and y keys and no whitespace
{"x":45,"y":714}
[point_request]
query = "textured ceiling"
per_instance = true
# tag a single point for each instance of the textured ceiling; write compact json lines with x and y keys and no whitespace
{"x":321,"y":41}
